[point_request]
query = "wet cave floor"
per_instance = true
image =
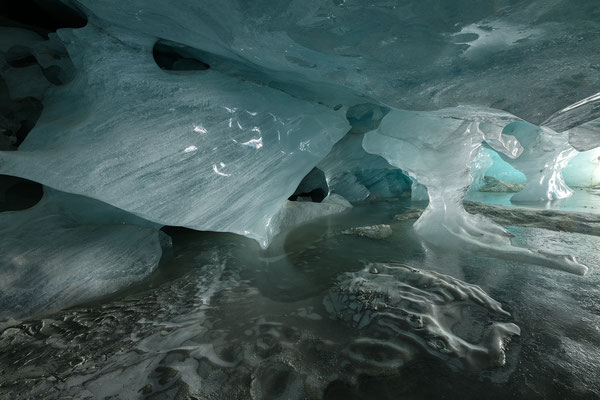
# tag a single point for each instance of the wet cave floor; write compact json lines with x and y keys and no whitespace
{"x":322,"y":314}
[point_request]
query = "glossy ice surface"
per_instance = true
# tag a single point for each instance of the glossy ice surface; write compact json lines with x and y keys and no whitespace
{"x":222,"y":318}
{"x":434,"y":147}
{"x":277,"y":143}
{"x":198,"y":149}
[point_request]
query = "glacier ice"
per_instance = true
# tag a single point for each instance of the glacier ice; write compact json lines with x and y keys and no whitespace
{"x":546,"y":153}
{"x":357,"y":175}
{"x":68,"y":249}
{"x":209,"y":115}
{"x":409,"y":55}
{"x":295,"y":213}
{"x":478,"y":168}
{"x":583,"y":170}
{"x":437,"y":148}
{"x":585,"y":136}
{"x":197,"y":149}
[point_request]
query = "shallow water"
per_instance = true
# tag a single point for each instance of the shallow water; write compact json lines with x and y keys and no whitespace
{"x":583,"y":200}
{"x":221,"y":318}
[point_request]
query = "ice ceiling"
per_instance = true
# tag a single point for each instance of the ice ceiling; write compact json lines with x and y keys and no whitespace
{"x":208,"y":115}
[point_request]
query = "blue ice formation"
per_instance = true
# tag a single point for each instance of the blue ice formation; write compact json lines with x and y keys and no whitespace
{"x":436,"y":148}
{"x":208,"y":115}
{"x":185,"y":149}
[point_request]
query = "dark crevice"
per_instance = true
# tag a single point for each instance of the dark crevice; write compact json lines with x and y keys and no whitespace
{"x":172,"y":56}
{"x":19,"y":57}
{"x":18,"y":194}
{"x":55,"y":75}
{"x":17,"y":118}
{"x":365,"y":117}
{"x":312,"y":188}
{"x":176,"y":230}
{"x":41,"y":16}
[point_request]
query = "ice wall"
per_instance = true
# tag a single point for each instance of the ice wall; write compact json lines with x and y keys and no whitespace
{"x":68,"y":249}
{"x":198,"y":149}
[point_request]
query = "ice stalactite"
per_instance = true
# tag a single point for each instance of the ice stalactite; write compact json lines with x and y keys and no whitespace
{"x":545,"y":154}
{"x":437,"y":149}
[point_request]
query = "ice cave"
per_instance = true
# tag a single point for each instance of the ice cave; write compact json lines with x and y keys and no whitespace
{"x":300,"y":199}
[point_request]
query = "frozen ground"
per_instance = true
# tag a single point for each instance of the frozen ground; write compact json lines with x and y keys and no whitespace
{"x":222,"y":319}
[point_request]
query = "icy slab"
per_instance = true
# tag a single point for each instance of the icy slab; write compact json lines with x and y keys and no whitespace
{"x":197,"y":149}
{"x":68,"y":249}
{"x":582,"y":121}
{"x":576,"y":114}
{"x":437,"y":149}
{"x":546,"y":153}
{"x":401,"y":310}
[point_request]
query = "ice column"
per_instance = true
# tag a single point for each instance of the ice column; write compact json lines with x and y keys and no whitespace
{"x":545,"y":154}
{"x":437,"y":149}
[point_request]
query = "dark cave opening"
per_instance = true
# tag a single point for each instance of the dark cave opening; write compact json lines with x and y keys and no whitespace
{"x":176,"y":57}
{"x":313,"y":187}
{"x":42,"y":16}
{"x":18,"y":194}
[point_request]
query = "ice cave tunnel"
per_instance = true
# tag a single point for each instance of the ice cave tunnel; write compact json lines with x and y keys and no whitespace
{"x":299,"y":199}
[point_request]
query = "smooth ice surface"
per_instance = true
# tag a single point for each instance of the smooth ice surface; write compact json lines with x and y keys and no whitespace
{"x":437,"y":149}
{"x":583,"y":170}
{"x":499,"y":169}
{"x":197,"y":149}
{"x":68,"y":249}
{"x":546,"y":153}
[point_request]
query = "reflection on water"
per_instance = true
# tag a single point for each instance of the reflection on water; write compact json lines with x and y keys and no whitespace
{"x":314,"y":317}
